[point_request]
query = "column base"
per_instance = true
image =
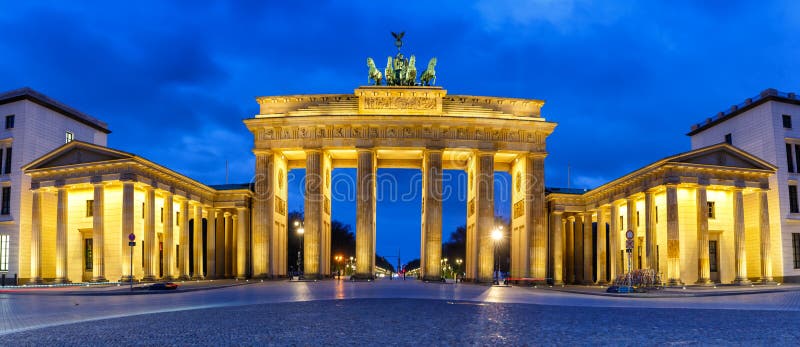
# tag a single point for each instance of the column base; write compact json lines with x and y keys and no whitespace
{"x":99,"y":279}
{"x":198,"y":277}
{"x":168,"y":278}
{"x":61,"y":281}
{"x":432,"y":279}
{"x":148,"y":278}
{"x":742,"y":282}
{"x":362,"y":277}
{"x":587,"y":283}
{"x":126,"y":279}
{"x":184,"y":278}
{"x":558,"y":283}
{"x":704,"y":282}
{"x":241,"y":278}
{"x":35,"y":280}
{"x":767,"y":281}
{"x":602,"y":283}
{"x":674,"y":282}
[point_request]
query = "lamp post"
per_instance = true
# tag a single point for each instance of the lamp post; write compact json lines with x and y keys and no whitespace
{"x":458,"y":269}
{"x":298,"y":225}
{"x":338,"y":259}
{"x":497,"y":235}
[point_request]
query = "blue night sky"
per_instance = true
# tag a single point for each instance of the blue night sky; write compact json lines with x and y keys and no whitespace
{"x":624,"y":80}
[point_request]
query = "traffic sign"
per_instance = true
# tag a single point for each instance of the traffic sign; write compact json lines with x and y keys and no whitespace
{"x":629,"y":244}
{"x":629,"y":234}
{"x":131,"y":237}
{"x":132,"y":243}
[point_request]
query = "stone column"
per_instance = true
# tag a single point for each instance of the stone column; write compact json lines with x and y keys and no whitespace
{"x":484,"y":199}
{"x":211,"y":242}
{"x":98,"y":232}
{"x":601,"y":245}
{"x":650,"y":230}
{"x":365,"y":213}
{"x":579,"y":247}
{"x":198,"y":243}
{"x":183,"y":263}
{"x":432,"y":205}
{"x":673,"y":237}
{"x":149,"y":233}
{"x":229,"y":245}
{"x":703,"y":265}
{"x":558,"y":259}
{"x":263,"y":213}
{"x":588,"y":270}
{"x":240,"y":219}
{"x":537,"y":218}
{"x":613,"y":241}
{"x":766,"y":249}
{"x":739,"y":242}
{"x":36,"y":236}
{"x":169,"y":237}
{"x":312,"y":236}
{"x":630,"y":220}
{"x":127,"y":229}
{"x":62,"y":219}
{"x":570,"y":240}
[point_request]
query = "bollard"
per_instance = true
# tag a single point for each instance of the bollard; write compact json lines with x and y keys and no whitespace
{"x":4,"y":280}
{"x":15,"y":280}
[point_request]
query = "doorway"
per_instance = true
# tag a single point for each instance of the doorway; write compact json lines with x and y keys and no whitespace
{"x":713,"y":259}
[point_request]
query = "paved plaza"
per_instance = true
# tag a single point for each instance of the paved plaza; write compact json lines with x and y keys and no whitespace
{"x":397,"y":313}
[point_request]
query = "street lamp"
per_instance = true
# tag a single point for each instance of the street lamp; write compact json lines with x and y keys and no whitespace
{"x":497,"y":235}
{"x":298,"y":225}
{"x":338,"y":259}
{"x":458,"y":268}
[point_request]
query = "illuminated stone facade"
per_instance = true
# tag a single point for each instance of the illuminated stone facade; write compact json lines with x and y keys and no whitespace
{"x":399,"y":127}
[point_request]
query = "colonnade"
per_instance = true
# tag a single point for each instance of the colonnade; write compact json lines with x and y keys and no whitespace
{"x":584,"y":257}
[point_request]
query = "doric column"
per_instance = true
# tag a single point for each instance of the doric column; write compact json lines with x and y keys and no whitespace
{"x":312,"y":236}
{"x":62,"y":218}
{"x":570,"y":240}
{"x":198,"y":243}
{"x":740,"y":250}
{"x":149,"y":233}
{"x":588,"y":270}
{"x":169,"y":237}
{"x":127,"y":229}
{"x":763,"y":225}
{"x":579,"y":247}
{"x":36,"y":237}
{"x":98,"y":232}
{"x":558,"y":259}
{"x":229,"y":245}
{"x":613,"y":243}
{"x":601,"y":245}
{"x":240,"y":220}
{"x":630,"y":221}
{"x":211,"y":246}
{"x":703,"y":265}
{"x":263,"y":212}
{"x":537,"y":216}
{"x":183,"y":262}
{"x":365,"y":213}
{"x":673,"y":237}
{"x":484,"y":179}
{"x":650,"y":230}
{"x":432,"y":212}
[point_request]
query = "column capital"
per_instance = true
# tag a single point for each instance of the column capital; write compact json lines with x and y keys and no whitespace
{"x":313,"y":150}
{"x":536,"y":155}
{"x":434,"y":149}
{"x":266,"y":152}
{"x":226,"y":214}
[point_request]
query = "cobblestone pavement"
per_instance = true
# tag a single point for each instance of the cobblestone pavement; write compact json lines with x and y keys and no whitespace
{"x":397,"y":312}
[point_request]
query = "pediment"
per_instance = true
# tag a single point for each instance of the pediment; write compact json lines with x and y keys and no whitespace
{"x":76,"y":153}
{"x":722,"y":155}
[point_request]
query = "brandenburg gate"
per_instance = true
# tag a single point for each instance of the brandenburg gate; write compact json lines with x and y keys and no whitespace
{"x":399,"y":126}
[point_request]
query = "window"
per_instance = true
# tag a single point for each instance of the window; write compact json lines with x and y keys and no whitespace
{"x":10,"y":121}
{"x":89,"y":208}
{"x":656,"y":214}
{"x":795,"y":249}
{"x":712,"y":256}
{"x":142,"y":210}
{"x":69,"y":137}
{"x":729,"y":139}
{"x":637,"y":219}
{"x":711,"y":212}
{"x":787,"y":121}
{"x":789,"y":161}
{"x":178,"y":218}
{"x":4,"y":253}
{"x":162,"y":215}
{"x":621,"y":220}
{"x":142,"y":243}
{"x":7,"y":168}
{"x":177,"y":256}
{"x":5,"y":207}
{"x":87,"y":254}
{"x":793,"y":208}
{"x":797,"y":157}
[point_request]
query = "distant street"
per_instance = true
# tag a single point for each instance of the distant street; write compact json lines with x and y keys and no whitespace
{"x":333,"y":312}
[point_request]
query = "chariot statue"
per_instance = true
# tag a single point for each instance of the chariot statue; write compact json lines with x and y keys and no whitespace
{"x":401,"y":71}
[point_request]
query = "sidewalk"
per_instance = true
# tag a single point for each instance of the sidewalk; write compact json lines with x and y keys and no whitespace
{"x":118,"y":288}
{"x":684,"y":291}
